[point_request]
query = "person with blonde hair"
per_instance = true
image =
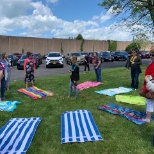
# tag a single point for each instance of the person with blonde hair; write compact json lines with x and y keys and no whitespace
{"x":149,"y":75}
{"x":5,"y":60}
{"x":74,"y":77}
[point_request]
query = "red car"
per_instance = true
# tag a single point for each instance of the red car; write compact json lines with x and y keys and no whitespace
{"x":144,"y":54}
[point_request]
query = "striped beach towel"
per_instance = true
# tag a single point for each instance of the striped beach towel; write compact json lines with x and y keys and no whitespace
{"x":130,"y":114}
{"x":35,"y":93}
{"x":16,"y":135}
{"x":87,"y":84}
{"x":78,"y":126}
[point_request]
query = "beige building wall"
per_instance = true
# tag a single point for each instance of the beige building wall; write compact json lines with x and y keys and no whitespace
{"x":11,"y":44}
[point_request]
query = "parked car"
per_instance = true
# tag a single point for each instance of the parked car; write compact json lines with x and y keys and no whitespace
{"x":83,"y":53}
{"x":54,"y":59}
{"x":20,"y":62}
{"x":144,"y":54}
{"x":18,"y":54}
{"x":39,"y":57}
{"x":13,"y":59}
{"x":125,"y":53}
{"x":118,"y":56}
{"x":106,"y":56}
{"x":36,"y":58}
{"x":80,"y":58}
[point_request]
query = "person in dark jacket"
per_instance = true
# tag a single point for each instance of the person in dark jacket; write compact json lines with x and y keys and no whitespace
{"x":128,"y":64}
{"x":74,"y":77}
{"x":86,"y":62}
{"x":135,"y":69}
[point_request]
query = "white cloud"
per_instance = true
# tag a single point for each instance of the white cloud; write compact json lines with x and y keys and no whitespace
{"x":34,"y":19}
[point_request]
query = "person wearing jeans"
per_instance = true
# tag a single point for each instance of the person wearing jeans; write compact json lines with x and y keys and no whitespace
{"x":74,"y":77}
{"x":135,"y":69}
{"x":97,"y":67}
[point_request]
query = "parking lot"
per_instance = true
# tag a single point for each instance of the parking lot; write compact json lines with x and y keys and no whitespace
{"x":43,"y":71}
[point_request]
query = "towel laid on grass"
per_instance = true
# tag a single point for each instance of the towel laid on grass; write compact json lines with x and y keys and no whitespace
{"x":78,"y":126}
{"x":114,"y":91}
{"x":137,"y":100}
{"x":8,"y":106}
{"x":35,"y":93}
{"x":130,"y":114}
{"x":17,"y":134}
{"x":87,"y":84}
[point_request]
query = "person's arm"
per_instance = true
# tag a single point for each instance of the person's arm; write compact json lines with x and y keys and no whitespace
{"x":25,"y":63}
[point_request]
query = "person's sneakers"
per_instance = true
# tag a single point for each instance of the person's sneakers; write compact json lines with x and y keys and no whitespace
{"x":146,"y":120}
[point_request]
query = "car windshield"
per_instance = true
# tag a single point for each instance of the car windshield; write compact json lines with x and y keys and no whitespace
{"x":75,"y":54}
{"x":23,"y":56}
{"x":83,"y":53}
{"x":105,"y":54}
{"x":54,"y":55}
{"x":9,"y":56}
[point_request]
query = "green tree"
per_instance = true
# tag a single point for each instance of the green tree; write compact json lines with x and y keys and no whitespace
{"x":112,"y":45}
{"x":133,"y":46}
{"x":133,"y":12}
{"x":79,"y":37}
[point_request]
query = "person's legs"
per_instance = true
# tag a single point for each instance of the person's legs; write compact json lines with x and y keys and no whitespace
{"x":132,"y":77}
{"x":75,"y":90}
{"x":85,"y":66}
{"x":70,"y":88}
{"x":99,"y":74}
{"x":149,"y":109}
{"x":96,"y":72}
{"x":136,"y":79}
{"x":3,"y":87}
{"x":88,"y":67}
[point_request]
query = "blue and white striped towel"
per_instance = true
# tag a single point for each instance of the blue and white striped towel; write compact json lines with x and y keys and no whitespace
{"x":78,"y":126}
{"x":16,"y":135}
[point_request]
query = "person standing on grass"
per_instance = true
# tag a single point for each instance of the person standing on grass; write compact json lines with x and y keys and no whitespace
{"x":86,"y":62}
{"x":97,"y":67}
{"x":135,"y":69}
{"x":7,"y":63}
{"x":3,"y":78}
{"x":29,"y":69}
{"x":149,"y":74}
{"x":128,"y":64}
{"x":74,"y":77}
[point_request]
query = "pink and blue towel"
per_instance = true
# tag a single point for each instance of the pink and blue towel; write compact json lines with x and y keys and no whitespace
{"x":130,"y":114}
{"x":114,"y":91}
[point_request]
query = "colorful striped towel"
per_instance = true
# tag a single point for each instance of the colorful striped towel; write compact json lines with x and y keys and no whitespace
{"x":130,"y":114}
{"x":114,"y":91}
{"x":78,"y":126}
{"x":87,"y":84}
{"x":8,"y":105}
{"x":35,"y":93}
{"x":137,"y":100}
{"x":17,"y":134}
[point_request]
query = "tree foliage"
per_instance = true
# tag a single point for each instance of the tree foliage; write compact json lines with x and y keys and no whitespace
{"x":112,"y":45}
{"x":136,"y":14}
{"x":79,"y":37}
{"x":133,"y":46}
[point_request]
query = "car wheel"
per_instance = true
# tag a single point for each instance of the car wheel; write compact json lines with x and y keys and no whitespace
{"x":18,"y":68}
{"x":47,"y":66}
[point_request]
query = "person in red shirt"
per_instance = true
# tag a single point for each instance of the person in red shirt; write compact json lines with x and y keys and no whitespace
{"x":149,"y":72}
{"x":29,"y":69}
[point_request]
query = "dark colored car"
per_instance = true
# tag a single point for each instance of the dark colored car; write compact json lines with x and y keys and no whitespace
{"x":92,"y":56}
{"x":18,"y":54}
{"x":13,"y":59}
{"x":118,"y":56}
{"x":35,"y":56}
{"x":20,"y":62}
{"x":144,"y":54}
{"x":39,"y":57}
{"x":106,"y":56}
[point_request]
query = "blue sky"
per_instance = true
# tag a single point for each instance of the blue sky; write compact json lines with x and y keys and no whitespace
{"x":59,"y":19}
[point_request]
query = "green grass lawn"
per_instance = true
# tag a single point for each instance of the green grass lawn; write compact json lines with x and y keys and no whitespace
{"x":120,"y":135}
